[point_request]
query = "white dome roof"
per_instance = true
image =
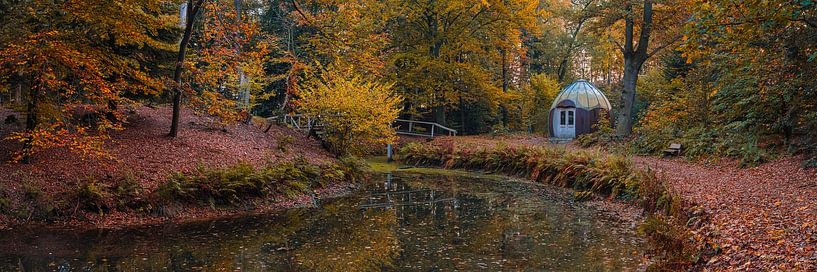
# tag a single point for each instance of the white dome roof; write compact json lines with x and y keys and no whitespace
{"x":584,"y":95}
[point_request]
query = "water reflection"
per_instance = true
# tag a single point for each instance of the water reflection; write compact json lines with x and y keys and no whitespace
{"x":408,"y":222}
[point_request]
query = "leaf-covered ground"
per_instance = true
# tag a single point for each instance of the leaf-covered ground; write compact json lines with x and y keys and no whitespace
{"x":144,"y":152}
{"x":762,"y":218}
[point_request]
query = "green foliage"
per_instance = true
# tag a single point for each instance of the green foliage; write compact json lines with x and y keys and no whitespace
{"x":127,"y":193}
{"x":236,"y":184}
{"x":92,"y":196}
{"x":528,"y":107}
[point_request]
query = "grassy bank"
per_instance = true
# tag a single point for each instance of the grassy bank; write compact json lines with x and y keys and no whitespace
{"x":588,"y":173}
{"x":201,"y":193}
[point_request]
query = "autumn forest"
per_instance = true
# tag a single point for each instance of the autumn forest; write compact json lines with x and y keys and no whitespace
{"x":371,"y":135}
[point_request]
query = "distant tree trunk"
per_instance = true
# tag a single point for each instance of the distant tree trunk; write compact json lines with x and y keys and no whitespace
{"x":438,"y":110}
{"x":439,"y":115}
{"x":504,"y":63}
{"x":462,"y":116}
{"x":192,"y":9}
{"x":563,"y":64}
{"x":31,"y":118}
{"x":18,"y":90}
{"x":634,"y":58}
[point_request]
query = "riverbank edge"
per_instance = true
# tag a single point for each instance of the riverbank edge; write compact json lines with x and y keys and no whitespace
{"x":669,"y":220}
{"x":181,"y":211}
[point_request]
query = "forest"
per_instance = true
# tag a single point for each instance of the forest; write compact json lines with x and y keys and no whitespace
{"x":125,"y":113}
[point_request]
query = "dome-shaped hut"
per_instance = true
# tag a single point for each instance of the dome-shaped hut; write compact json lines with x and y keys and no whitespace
{"x":576,"y":109}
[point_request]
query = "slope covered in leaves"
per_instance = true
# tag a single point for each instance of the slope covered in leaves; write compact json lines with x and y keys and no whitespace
{"x":763,"y":218}
{"x":142,"y":152}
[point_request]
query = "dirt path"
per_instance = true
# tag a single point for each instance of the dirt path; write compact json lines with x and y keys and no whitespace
{"x":763,"y":217}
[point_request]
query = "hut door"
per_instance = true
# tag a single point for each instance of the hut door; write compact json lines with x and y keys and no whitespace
{"x":567,"y":123}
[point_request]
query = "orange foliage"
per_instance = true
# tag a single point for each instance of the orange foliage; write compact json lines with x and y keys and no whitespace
{"x":65,"y":53}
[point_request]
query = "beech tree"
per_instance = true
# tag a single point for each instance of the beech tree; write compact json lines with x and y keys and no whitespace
{"x":189,"y":11}
{"x":74,"y":61}
{"x":227,"y":61}
{"x":648,"y":27}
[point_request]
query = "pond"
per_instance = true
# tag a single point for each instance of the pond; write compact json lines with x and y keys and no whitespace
{"x":410,"y":221}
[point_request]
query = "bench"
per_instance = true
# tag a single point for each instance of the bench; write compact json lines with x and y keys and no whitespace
{"x":673,"y":150}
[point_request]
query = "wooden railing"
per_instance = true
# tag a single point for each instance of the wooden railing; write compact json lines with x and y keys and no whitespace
{"x":297,"y":121}
{"x":403,"y":127}
{"x":422,"y":128}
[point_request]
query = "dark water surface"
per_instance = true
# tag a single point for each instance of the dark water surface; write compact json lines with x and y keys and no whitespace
{"x":408,"y":222}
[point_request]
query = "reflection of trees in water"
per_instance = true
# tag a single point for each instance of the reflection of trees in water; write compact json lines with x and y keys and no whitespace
{"x":354,"y":241}
{"x":489,"y":224}
{"x":508,"y":224}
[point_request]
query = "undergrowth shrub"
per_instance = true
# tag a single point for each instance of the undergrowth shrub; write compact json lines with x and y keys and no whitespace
{"x":702,"y":144}
{"x":129,"y":194}
{"x":583,"y":170}
{"x":235,"y":184}
{"x":38,"y":204}
{"x":92,"y":196}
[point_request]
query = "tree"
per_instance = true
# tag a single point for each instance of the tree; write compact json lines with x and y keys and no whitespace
{"x":531,"y":103}
{"x":763,"y":54}
{"x":357,"y":112}
{"x":189,"y":11}
{"x":75,"y":60}
{"x":227,"y":61}
{"x":453,"y":52}
{"x":639,"y":24}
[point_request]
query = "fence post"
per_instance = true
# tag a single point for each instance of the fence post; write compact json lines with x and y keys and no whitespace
{"x":432,"y":131}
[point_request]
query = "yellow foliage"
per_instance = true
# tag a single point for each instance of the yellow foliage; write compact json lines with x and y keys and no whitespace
{"x":529,"y":106}
{"x":357,"y":112}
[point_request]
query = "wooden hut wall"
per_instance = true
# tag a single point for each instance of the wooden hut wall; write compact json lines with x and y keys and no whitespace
{"x":585,"y":119}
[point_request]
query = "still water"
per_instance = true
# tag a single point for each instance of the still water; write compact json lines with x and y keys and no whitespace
{"x":409,"y":221}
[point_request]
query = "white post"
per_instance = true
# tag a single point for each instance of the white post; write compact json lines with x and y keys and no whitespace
{"x":432,"y":131}
{"x":389,"y":153}
{"x":183,"y":15}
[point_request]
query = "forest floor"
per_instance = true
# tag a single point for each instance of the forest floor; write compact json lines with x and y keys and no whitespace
{"x":763,"y":218}
{"x":143,"y":152}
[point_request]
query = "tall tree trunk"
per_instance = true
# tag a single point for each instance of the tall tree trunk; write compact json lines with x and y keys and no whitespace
{"x":624,"y":124}
{"x":439,"y":115}
{"x":563,"y":64}
{"x":462,"y":116}
{"x":192,"y":10}
{"x":634,"y":58}
{"x":434,"y":50}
